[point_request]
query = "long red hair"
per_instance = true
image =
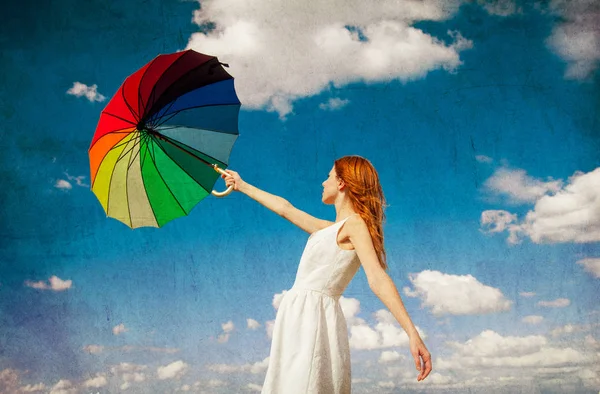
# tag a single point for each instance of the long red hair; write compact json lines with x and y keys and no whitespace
{"x":366,"y":195}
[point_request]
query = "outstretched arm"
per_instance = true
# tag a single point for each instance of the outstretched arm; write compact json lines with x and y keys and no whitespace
{"x":383,"y":287}
{"x":277,"y":204}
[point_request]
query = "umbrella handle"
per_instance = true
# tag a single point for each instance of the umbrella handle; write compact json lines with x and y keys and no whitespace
{"x":225,"y":192}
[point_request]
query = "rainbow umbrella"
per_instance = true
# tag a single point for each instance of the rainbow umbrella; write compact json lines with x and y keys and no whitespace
{"x":163,"y":139}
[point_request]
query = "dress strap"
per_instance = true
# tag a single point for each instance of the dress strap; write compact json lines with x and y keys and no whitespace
{"x":346,"y":218}
{"x":350,"y":216}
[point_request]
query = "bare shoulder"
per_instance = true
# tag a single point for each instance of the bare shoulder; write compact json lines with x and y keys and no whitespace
{"x":360,"y":238}
{"x":356,"y":225}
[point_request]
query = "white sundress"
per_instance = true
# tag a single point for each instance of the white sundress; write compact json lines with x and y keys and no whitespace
{"x":310,"y":353}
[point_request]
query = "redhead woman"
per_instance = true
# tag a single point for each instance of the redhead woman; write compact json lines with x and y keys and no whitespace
{"x":310,"y":353}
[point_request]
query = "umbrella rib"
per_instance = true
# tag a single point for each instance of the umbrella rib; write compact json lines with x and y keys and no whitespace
{"x":141,"y":105}
{"x":110,"y":132}
{"x":118,"y":117}
{"x":194,"y":156}
{"x":121,"y":144}
{"x":199,"y":128}
{"x":191,"y":71}
{"x":104,"y":157}
{"x":152,"y":94}
{"x":139,"y":142}
{"x":135,"y":115}
{"x":153,"y":118}
{"x":132,"y":159}
{"x":143,"y":159}
{"x":163,"y":179}
{"x":187,"y":109}
{"x":167,"y":139}
{"x":125,"y":152}
{"x":109,"y":182}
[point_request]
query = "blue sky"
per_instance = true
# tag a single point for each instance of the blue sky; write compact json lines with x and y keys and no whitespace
{"x":480,"y":117}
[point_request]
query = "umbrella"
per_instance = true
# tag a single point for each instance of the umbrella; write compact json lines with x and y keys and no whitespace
{"x":163,"y":139}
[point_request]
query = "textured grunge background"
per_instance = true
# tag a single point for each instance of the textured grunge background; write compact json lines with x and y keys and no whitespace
{"x":481,"y":117}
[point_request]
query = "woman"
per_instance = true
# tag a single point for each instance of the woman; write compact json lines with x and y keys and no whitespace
{"x":310,"y":351}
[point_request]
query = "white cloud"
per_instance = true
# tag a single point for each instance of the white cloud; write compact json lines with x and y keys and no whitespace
{"x":484,"y":159}
{"x":496,"y":221}
{"x":439,"y":379}
{"x":591,"y":265}
{"x":252,"y":324}
{"x":283,"y":51}
{"x":55,"y":284}
{"x":98,"y":381}
{"x":215,"y":383}
{"x":64,"y":387}
{"x":93,"y":349}
{"x":127,"y":368}
{"x":129,"y":373}
{"x":33,"y":388}
{"x":491,"y":362}
{"x":557,"y":303}
{"x":79,"y":180}
{"x":572,"y":214}
{"x":350,"y":308}
{"x":389,"y":356}
{"x":532,"y":319}
{"x":527,"y":294}
{"x":456,"y":294}
{"x":388,"y":384}
{"x":254,"y":387}
{"x":90,"y":92}
{"x":132,"y":377}
{"x":499,"y":7}
{"x":119,"y":329}
{"x":570,"y":329}
{"x":254,"y":368}
{"x":62,"y":184}
{"x":576,"y":39}
{"x":9,"y":380}
{"x":227,"y":328}
{"x":492,"y":350}
{"x":223,"y":337}
{"x":592,"y":342}
{"x":491,"y":344}
{"x":97,"y":349}
{"x":334,"y":104}
{"x":175,"y":370}
{"x":269,"y":325}
{"x":384,"y":334}
{"x":277,"y":298}
{"x":518,"y":186}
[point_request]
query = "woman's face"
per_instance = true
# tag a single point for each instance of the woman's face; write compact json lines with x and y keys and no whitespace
{"x":330,"y":187}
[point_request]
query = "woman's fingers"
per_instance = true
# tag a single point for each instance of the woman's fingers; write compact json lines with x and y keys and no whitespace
{"x":425,"y":365}
{"x":417,"y":361}
{"x":427,"y":368}
{"x":422,"y":361}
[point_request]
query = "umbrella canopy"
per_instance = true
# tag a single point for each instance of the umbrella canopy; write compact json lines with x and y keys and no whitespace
{"x":157,"y":139}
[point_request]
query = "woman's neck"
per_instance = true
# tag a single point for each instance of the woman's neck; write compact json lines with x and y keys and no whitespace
{"x":343,"y":209}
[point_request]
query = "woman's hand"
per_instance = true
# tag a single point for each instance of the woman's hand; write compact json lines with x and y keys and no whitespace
{"x":421,"y":356}
{"x":233,"y":179}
